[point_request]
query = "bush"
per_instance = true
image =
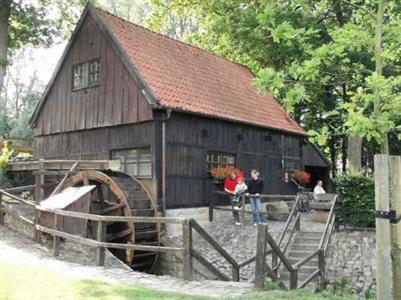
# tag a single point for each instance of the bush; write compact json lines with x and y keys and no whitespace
{"x":356,"y":200}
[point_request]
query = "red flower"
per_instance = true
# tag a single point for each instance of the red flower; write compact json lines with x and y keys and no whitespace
{"x":301,"y":177}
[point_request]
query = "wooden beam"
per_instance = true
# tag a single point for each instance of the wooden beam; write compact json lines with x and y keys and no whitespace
{"x":64,"y":165}
{"x":101,"y":237}
{"x":208,"y":265}
{"x":395,"y":204}
{"x":207,"y":237}
{"x":56,"y":239}
{"x":117,"y":235}
{"x":94,"y":217}
{"x":383,"y":232}
{"x":60,"y":185}
{"x":187,"y":245}
{"x":260,"y":266}
{"x":94,"y":243}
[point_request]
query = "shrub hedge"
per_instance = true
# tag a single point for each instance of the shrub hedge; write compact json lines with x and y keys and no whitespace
{"x":356,"y":205}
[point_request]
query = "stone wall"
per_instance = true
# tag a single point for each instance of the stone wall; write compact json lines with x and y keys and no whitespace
{"x":352,"y":258}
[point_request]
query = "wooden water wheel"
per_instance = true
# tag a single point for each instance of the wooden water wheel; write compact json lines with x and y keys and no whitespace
{"x":119,"y":194}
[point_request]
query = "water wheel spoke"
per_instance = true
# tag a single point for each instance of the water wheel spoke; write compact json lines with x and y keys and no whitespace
{"x":120,"y":194}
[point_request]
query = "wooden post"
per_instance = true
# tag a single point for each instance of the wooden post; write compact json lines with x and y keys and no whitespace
{"x":294,"y":279}
{"x":39,"y":182}
{"x":235,"y":273}
{"x":395,"y":204}
{"x":101,"y":236}
{"x":56,"y":239}
{"x":321,"y":268}
{"x":243,"y":199}
{"x":36,"y":219}
{"x":274,"y":263}
{"x":384,"y":278}
{"x":1,"y":212}
{"x":298,"y":224}
{"x":187,"y":245}
{"x":211,"y":204}
{"x":260,"y":261}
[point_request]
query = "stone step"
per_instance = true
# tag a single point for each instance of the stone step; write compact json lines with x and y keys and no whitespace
{"x":305,"y":270}
{"x":307,"y":240}
{"x":313,"y":262}
{"x":285,"y":277}
{"x":298,"y":254}
{"x":309,"y":234}
{"x":303,"y":247}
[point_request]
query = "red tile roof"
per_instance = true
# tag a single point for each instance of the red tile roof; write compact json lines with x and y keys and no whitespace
{"x":190,"y":79}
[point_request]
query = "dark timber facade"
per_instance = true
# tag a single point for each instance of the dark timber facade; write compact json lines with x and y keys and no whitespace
{"x":116,"y":117}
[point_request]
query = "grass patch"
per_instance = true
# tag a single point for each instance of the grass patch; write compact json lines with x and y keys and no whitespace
{"x":19,"y":282}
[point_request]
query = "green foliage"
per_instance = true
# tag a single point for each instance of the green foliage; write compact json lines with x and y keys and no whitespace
{"x":5,"y":156}
{"x":316,"y":57}
{"x":357,"y":200}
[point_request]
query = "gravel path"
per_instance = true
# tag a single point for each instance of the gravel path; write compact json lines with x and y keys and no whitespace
{"x":18,"y":249}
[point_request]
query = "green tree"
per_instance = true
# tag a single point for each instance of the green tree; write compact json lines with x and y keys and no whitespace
{"x":317,"y":57}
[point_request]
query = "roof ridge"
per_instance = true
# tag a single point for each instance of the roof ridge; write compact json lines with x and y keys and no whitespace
{"x":175,"y":40}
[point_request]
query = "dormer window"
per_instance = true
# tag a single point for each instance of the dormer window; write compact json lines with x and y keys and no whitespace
{"x":85,"y":75}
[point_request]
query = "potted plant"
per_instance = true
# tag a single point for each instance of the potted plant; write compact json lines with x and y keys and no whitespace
{"x":300,"y":178}
{"x":219,"y":174}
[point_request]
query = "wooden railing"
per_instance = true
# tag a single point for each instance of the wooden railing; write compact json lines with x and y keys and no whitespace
{"x":278,"y":254}
{"x":244,"y":201}
{"x":99,"y":241}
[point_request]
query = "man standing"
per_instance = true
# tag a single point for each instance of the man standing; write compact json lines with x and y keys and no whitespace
{"x":255,"y":188}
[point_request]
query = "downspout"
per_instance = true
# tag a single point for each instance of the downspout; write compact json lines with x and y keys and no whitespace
{"x":168,"y":115}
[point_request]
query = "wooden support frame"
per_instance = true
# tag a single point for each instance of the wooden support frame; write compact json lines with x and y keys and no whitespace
{"x":261,"y":249}
{"x":101,"y":237}
{"x":383,"y":229}
{"x":56,"y":239}
{"x":187,"y":245}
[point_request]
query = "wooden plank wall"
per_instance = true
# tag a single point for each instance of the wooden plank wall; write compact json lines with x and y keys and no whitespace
{"x":312,"y":158}
{"x":188,"y":183}
{"x":116,"y":100}
{"x":95,"y":143}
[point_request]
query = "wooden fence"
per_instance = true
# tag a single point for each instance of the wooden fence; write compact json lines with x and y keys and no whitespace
{"x":187,"y":249}
{"x":244,"y":200}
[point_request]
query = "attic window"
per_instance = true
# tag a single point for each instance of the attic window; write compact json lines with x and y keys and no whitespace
{"x":94,"y":68}
{"x":78,"y":76}
{"x":86,"y":74}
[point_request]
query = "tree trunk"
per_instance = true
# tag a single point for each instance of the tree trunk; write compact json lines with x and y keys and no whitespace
{"x":5,"y":8}
{"x":333,"y":157}
{"x":379,"y":67}
{"x":344,"y":155}
{"x":354,"y":153}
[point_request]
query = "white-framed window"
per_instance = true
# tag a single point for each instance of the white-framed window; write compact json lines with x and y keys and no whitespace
{"x":135,"y":161}
{"x":78,"y":76}
{"x":94,"y":71}
{"x":219,"y":159}
{"x":85,"y":74}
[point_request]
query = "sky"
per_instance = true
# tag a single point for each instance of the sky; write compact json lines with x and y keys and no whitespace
{"x":42,"y":61}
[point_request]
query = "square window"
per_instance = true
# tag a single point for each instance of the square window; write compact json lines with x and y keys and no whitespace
{"x":219,"y":159}
{"x":94,"y":71}
{"x":136,"y":162}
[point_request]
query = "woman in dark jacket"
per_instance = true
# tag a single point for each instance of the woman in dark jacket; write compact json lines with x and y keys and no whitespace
{"x":255,"y":189}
